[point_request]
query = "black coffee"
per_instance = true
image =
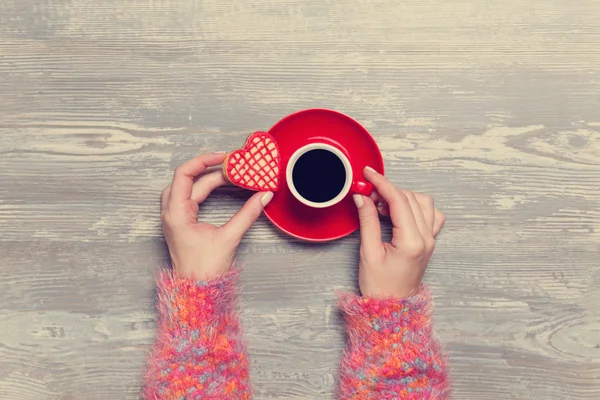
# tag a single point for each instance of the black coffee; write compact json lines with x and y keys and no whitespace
{"x":319,"y":175}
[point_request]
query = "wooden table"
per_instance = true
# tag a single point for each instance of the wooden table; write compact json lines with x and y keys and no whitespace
{"x":492,"y":107}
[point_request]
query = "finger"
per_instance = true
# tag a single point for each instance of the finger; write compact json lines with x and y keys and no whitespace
{"x":370,"y":228}
{"x":418,"y":213}
{"x":440,"y":218}
{"x":183,"y":178}
{"x":238,"y":225}
{"x":401,"y":213}
{"x":164,"y":197}
{"x":206,"y":184}
{"x":382,"y":206}
{"x":428,"y":209}
{"x":375,"y":196}
{"x":384,"y":209}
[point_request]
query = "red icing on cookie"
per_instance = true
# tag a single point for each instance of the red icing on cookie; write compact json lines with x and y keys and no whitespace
{"x":256,"y":165}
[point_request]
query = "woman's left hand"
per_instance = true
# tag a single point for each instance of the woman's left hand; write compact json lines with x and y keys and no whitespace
{"x":200,"y":250}
{"x":395,"y":269}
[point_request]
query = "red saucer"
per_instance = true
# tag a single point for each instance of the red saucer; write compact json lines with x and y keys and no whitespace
{"x":336,"y":129}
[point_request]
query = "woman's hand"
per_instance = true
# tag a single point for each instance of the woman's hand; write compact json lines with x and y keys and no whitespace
{"x":199,"y":250}
{"x":395,"y":269}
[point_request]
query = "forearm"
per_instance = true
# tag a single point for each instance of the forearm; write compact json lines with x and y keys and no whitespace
{"x":391,"y":351}
{"x":199,"y":351}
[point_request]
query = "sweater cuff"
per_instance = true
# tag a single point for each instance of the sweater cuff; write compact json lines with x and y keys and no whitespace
{"x":367,"y":318}
{"x":392,"y":349}
{"x":190,"y":304}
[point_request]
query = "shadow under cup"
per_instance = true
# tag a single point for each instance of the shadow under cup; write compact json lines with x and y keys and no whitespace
{"x":319,"y":175}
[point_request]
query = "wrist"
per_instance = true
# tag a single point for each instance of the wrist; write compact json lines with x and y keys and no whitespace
{"x":362,"y":311}
{"x":395,"y":295}
{"x":201,"y":271}
{"x":382,"y":292}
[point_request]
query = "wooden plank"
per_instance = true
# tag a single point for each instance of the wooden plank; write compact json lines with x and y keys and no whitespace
{"x":492,"y":108}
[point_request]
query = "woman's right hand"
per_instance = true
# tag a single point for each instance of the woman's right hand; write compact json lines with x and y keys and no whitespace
{"x":395,"y":269}
{"x":199,"y":250}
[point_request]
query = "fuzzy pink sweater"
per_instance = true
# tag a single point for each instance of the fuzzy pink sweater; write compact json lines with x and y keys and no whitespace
{"x":200,"y":353}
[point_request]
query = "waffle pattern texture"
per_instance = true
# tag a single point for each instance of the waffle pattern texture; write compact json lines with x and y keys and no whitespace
{"x":256,"y":165}
{"x":199,"y":354}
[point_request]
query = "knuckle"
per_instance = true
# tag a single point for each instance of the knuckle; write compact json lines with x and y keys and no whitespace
{"x":429,"y":244}
{"x":442,"y":216}
{"x":409,"y":194}
{"x":415,"y":248}
{"x":362,"y":253}
{"x":164,"y":217}
{"x":427,"y":199}
{"x":400,"y":200}
{"x":401,"y":197}
{"x":177,"y":171}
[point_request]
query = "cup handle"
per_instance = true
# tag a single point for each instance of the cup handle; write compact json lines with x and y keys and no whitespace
{"x":364,"y":188}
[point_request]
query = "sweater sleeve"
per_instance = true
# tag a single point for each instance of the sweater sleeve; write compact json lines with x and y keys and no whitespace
{"x":391,"y":352}
{"x":199,"y":352}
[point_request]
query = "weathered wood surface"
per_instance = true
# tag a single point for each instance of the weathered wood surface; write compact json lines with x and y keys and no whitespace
{"x":493,"y":107}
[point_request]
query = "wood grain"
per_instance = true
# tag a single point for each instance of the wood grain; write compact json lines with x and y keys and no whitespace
{"x":492,"y":107}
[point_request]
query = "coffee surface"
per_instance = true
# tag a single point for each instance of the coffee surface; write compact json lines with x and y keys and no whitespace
{"x":319,"y":175}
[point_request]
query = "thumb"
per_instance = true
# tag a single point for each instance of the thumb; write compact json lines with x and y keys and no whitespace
{"x":370,"y":228}
{"x":239,"y":224}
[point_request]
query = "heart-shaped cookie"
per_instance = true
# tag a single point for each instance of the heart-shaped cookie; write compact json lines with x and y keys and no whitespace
{"x":256,"y":165}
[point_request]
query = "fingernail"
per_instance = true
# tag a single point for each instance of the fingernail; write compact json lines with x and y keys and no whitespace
{"x":370,"y":169}
{"x":219,"y":153}
{"x":266,"y":198}
{"x":358,"y":200}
